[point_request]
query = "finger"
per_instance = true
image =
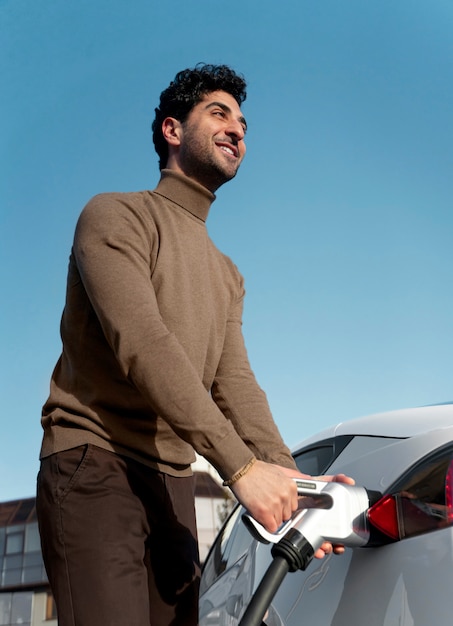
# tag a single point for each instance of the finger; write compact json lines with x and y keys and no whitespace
{"x":294,"y":497}
{"x":327,"y":547}
{"x":342,"y":478}
{"x":337,"y":478}
{"x":319,"y":554}
{"x":270,"y":523}
{"x":287,"y":513}
{"x":290,"y":501}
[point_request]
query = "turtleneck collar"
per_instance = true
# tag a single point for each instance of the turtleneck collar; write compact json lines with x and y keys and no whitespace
{"x":186,"y":193}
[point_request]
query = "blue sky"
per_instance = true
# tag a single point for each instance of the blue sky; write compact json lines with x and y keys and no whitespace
{"x":340,"y":218}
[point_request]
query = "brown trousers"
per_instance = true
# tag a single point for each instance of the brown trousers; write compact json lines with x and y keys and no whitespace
{"x":119,"y":541}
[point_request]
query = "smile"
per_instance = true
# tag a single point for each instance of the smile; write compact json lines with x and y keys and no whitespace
{"x":232,"y":150}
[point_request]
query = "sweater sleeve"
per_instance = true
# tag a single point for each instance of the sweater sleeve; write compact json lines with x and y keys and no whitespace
{"x":240,"y":398}
{"x":112,"y":249}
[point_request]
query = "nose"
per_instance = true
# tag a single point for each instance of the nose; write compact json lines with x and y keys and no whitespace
{"x":236,"y":130}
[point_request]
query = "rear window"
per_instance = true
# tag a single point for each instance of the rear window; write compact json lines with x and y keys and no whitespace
{"x":317,"y":458}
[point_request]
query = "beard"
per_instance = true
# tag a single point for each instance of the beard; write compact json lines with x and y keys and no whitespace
{"x":204,"y":162}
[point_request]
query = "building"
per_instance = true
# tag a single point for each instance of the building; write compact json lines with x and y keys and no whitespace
{"x":25,"y":596}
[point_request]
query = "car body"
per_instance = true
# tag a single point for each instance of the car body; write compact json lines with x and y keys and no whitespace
{"x":404,"y":578}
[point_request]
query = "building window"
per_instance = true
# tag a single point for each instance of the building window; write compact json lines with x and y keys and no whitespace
{"x":5,"y":608}
{"x":15,"y":608}
{"x":21,"y":561}
{"x":21,"y":608}
{"x":14,"y":539}
{"x":32,"y":540}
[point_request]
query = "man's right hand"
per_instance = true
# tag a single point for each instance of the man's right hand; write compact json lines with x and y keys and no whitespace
{"x":268,"y":493}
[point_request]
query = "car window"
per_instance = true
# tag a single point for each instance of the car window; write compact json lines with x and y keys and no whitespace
{"x":232,"y":542}
{"x":317,"y":458}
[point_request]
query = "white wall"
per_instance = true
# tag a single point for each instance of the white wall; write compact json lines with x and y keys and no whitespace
{"x":38,"y":610}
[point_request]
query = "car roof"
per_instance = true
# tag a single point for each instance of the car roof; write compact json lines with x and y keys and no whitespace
{"x":399,"y":424}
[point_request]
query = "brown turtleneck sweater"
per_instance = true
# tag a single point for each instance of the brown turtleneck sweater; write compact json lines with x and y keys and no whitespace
{"x":153,"y":361}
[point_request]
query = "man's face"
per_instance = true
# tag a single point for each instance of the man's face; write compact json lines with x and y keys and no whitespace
{"x":212,"y":142}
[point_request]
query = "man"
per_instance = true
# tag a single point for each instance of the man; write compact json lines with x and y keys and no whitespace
{"x":153,"y":367}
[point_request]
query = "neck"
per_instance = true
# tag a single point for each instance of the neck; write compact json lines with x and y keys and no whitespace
{"x":211,"y":182}
{"x":186,"y":192}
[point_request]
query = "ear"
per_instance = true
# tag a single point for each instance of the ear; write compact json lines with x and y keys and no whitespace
{"x":172,"y":131}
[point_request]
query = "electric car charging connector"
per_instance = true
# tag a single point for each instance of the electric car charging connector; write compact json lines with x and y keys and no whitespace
{"x":328,"y":511}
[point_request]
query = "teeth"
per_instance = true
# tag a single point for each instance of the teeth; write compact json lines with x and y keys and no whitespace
{"x":226,"y":149}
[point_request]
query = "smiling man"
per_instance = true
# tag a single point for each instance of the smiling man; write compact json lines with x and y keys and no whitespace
{"x":209,"y":146}
{"x":154,"y":367}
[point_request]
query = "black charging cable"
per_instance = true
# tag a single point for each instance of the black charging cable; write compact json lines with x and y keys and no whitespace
{"x":290,"y":554}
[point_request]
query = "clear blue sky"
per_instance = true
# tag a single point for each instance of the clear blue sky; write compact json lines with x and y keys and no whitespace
{"x":340,"y":218}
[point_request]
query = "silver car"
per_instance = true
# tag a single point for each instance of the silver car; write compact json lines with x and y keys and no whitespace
{"x":405,"y":578}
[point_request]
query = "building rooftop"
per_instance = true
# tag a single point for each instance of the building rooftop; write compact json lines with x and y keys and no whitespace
{"x":17,"y":512}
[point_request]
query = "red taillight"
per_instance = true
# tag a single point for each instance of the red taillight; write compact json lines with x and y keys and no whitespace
{"x":383,"y":516}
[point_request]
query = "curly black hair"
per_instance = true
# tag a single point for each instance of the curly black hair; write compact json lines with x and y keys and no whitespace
{"x":186,"y":90}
